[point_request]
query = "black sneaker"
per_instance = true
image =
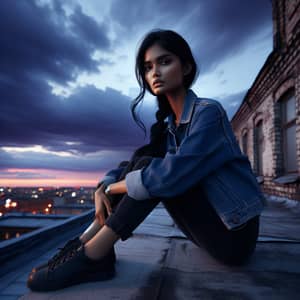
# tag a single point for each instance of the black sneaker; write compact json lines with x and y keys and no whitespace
{"x":69,"y":246}
{"x":73,"y":268}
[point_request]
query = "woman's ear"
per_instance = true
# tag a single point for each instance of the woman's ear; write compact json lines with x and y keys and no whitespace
{"x":187,"y":68}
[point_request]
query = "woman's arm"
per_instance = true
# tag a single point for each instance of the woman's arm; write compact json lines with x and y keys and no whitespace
{"x":208,"y":146}
{"x":118,"y":187}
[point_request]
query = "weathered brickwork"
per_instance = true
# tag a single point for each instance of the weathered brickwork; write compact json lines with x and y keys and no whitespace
{"x":279,"y":75}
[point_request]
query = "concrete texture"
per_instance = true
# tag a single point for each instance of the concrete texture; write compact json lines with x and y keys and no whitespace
{"x":158,"y":262}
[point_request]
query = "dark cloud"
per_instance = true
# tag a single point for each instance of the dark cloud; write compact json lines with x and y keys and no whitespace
{"x":40,"y":45}
{"x":225,"y":27}
{"x":77,"y":163}
{"x":93,"y":118}
{"x":88,"y":29}
{"x":35,"y":42}
{"x":215,"y":29}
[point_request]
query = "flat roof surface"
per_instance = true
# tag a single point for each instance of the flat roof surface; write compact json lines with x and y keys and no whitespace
{"x":158,"y":262}
{"x":29,"y":222}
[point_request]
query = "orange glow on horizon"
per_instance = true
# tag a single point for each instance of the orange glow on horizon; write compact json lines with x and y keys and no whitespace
{"x":56,"y":178}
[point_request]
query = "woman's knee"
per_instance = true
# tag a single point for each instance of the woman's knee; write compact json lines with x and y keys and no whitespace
{"x":123,"y":163}
{"x":142,"y":162}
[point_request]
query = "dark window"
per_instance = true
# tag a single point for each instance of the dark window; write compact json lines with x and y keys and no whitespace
{"x":259,"y":147}
{"x":245,"y":143}
{"x":289,"y":133}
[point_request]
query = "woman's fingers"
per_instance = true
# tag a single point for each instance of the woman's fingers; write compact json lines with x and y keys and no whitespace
{"x":99,"y":207}
{"x":107,"y":205}
{"x":99,"y":218}
{"x":102,"y":203}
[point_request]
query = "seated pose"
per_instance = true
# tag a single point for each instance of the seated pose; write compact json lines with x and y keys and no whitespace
{"x":192,"y":164}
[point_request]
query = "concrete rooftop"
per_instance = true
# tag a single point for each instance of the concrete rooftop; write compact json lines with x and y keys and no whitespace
{"x":158,"y":262}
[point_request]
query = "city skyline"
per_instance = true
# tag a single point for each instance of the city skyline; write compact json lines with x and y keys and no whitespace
{"x":67,"y":78}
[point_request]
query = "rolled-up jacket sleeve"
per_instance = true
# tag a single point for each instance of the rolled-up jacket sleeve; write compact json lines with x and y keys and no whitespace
{"x":205,"y":149}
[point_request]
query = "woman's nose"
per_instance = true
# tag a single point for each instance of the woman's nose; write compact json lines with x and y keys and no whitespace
{"x":156,"y":70}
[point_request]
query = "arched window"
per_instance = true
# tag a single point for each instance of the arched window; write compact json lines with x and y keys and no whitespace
{"x":288,"y":129}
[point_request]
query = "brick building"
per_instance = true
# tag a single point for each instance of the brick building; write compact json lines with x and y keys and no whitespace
{"x":267,"y":123}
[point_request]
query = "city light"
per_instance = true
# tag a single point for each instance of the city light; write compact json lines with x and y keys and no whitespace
{"x":14,"y":204}
{"x":7,"y":203}
{"x":34,"y":202}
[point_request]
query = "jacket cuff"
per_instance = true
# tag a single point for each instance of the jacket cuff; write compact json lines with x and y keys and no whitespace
{"x":107,"y":180}
{"x":135,"y":186}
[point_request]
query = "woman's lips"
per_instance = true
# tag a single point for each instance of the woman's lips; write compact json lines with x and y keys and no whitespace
{"x":157,"y":83}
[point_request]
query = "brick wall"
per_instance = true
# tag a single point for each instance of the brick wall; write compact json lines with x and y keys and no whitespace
{"x":279,"y":74}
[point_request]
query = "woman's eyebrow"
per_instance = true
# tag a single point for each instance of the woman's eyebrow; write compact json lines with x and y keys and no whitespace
{"x":157,"y":58}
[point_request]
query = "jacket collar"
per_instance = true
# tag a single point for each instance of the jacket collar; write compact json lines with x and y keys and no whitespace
{"x":188,"y":106}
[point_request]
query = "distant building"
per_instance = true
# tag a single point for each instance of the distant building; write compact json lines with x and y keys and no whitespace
{"x":267,"y":123}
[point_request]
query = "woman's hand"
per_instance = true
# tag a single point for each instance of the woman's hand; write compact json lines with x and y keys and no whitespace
{"x":101,"y":204}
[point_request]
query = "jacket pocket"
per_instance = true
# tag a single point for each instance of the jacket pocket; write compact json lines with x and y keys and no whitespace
{"x":222,"y":198}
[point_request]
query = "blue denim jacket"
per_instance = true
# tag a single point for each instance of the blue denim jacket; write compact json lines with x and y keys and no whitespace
{"x":202,"y":149}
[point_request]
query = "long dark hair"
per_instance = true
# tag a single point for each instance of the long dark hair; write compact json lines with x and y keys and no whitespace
{"x":173,"y":42}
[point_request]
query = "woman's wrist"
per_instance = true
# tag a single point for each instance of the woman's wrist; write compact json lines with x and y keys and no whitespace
{"x":115,"y":188}
{"x":107,"y":190}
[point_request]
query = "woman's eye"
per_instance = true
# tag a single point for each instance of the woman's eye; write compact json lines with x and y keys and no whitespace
{"x":165,"y":61}
{"x":147,"y":68}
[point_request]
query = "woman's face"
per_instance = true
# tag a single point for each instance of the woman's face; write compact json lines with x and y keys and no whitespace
{"x":163,"y":70}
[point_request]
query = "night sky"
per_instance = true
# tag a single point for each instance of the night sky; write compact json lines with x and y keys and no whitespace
{"x":67,"y":77}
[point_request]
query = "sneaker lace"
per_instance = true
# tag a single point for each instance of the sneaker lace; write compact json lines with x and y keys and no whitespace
{"x":64,"y":257}
{"x":62,"y":251}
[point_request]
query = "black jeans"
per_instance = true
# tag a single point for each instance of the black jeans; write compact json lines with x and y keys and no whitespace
{"x":192,"y":213}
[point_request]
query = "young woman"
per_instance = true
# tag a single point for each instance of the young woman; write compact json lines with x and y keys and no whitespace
{"x":193,"y":165}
